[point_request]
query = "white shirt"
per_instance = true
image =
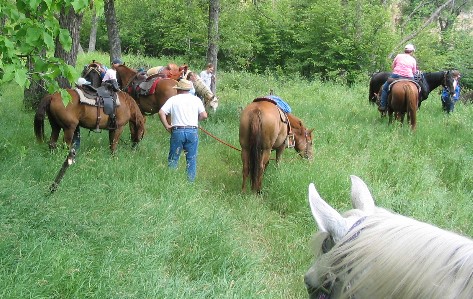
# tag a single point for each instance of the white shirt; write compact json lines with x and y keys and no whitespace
{"x":206,"y":78}
{"x":110,"y":74}
{"x":184,"y":109}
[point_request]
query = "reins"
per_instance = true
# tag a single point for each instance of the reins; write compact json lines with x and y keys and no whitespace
{"x":223,"y":142}
{"x":218,"y":139}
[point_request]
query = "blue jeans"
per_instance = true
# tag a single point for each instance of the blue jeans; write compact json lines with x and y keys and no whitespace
{"x":384,"y":96}
{"x":186,"y":139}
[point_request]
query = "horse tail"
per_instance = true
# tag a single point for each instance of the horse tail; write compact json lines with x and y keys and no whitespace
{"x":256,"y":154}
{"x":39,"y":118}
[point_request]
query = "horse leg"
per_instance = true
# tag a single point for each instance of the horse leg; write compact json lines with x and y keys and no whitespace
{"x":390,"y":116}
{"x":113,"y":137}
{"x":246,"y":169}
{"x":69,"y":134}
{"x":279,"y":152}
{"x":262,"y":167}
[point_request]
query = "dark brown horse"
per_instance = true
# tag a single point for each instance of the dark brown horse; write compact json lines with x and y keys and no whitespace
{"x":94,"y":73}
{"x":427,"y":81}
{"x":404,"y":98}
{"x":76,"y":114}
{"x":264,"y":127}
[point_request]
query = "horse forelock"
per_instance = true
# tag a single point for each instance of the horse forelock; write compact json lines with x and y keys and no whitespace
{"x":392,"y":256}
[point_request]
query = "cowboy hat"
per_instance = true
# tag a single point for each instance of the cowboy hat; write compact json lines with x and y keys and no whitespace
{"x":184,"y":84}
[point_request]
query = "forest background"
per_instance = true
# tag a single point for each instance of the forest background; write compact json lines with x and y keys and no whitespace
{"x":342,"y":41}
{"x":335,"y":40}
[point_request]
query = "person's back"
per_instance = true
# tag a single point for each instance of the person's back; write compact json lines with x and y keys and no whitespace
{"x":404,"y":65}
{"x":185,"y":110}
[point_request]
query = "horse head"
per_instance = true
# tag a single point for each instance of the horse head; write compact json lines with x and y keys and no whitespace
{"x":93,"y":73}
{"x":369,"y":252}
{"x":201,"y":90}
{"x":448,"y":82}
{"x":302,"y":136}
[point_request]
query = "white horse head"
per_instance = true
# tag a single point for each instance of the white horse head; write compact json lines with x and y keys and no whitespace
{"x":370,"y":252}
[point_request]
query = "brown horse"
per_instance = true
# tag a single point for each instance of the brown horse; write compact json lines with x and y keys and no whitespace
{"x":76,"y":114}
{"x":403,"y":98}
{"x":149,"y":104}
{"x":264,"y":127}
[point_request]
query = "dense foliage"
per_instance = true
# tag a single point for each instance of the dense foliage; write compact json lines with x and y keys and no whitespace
{"x":29,"y":30}
{"x":341,"y":40}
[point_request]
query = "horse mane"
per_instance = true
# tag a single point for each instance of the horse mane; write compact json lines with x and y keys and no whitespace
{"x":391,"y":256}
{"x":255,"y":140}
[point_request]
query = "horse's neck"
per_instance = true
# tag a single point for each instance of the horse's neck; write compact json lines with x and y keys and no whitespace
{"x":127,"y":75}
{"x":434,"y":80}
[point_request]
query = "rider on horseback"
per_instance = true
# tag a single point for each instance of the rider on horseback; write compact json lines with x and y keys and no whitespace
{"x":111,"y":75}
{"x":404,"y":66}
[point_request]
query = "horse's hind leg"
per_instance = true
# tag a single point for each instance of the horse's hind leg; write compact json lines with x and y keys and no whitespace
{"x":55,"y":130}
{"x":246,"y":169}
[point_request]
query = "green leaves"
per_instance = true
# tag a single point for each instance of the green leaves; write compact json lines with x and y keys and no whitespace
{"x":29,"y":34}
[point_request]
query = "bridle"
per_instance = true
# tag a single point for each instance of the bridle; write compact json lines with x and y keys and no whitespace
{"x":325,"y":291}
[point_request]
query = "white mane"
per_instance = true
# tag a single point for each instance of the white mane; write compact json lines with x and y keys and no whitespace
{"x":387,"y":255}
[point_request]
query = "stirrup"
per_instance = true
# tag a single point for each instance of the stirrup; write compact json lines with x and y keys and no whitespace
{"x":290,"y":141}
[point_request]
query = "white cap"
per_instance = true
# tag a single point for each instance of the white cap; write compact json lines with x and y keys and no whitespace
{"x":409,"y":47}
{"x":82,"y":81}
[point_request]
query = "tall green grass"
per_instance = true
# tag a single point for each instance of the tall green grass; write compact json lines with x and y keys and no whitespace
{"x":126,"y":226}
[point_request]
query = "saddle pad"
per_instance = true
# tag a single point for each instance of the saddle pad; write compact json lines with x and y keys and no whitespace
{"x":148,"y":87}
{"x":92,"y":102}
{"x":277,"y":101}
{"x":403,"y":79}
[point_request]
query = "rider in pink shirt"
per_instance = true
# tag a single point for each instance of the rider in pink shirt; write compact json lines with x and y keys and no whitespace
{"x":404,"y":66}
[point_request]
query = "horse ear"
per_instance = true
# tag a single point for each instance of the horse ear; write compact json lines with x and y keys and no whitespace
{"x":326,"y":217}
{"x":361,"y":197}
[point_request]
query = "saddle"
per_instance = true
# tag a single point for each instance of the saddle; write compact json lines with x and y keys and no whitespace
{"x":169,"y":71}
{"x":147,"y":86}
{"x":103,"y":97}
{"x":391,"y":82}
{"x":290,"y":140}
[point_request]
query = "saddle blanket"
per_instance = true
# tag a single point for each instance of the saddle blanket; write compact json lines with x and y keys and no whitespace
{"x":280,"y":103}
{"x":92,"y":102}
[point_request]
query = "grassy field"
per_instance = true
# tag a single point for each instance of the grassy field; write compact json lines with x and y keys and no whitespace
{"x":127,"y":227}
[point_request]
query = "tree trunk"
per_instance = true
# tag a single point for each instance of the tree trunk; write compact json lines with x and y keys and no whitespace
{"x":71,"y":21}
{"x":112,"y":30}
{"x":33,"y":94}
{"x":93,"y":31}
{"x":212,"y":50}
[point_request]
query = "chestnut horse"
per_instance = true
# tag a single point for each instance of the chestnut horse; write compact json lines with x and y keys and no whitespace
{"x":263,"y":127}
{"x":403,"y":98}
{"x":76,"y":114}
{"x":370,"y":252}
{"x":149,"y":104}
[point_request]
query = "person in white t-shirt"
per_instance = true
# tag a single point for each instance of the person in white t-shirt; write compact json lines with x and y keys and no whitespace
{"x":207,"y":75}
{"x":186,"y":110}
